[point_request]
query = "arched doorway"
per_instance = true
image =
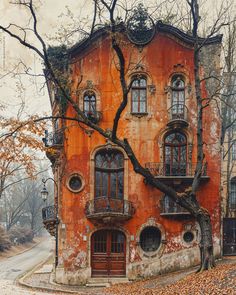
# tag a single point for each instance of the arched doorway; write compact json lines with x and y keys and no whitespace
{"x":108,"y":248}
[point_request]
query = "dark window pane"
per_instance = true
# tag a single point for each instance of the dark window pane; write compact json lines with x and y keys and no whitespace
{"x":113,"y":185}
{"x":105,"y":184}
{"x":98,"y":184}
{"x":75,"y":183}
{"x":150,"y":239}
{"x":120,"y":185}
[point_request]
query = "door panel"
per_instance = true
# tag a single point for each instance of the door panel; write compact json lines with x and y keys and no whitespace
{"x":229,"y":236}
{"x":108,"y":253}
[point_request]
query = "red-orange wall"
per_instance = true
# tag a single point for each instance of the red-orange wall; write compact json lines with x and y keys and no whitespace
{"x":163,"y":57}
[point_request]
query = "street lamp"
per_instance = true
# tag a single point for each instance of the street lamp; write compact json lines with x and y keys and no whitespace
{"x":44,"y":195}
{"x":44,"y":192}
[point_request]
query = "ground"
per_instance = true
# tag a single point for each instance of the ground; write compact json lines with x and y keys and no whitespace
{"x":220,"y":280}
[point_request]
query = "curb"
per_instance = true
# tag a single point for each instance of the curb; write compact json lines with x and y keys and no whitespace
{"x":20,"y":281}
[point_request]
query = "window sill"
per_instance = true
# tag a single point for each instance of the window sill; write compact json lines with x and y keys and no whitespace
{"x":137,"y":116}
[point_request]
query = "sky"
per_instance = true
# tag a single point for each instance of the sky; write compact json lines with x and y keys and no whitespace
{"x":51,"y":19}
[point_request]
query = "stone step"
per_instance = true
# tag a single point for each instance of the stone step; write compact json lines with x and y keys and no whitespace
{"x":93,"y":285}
{"x":109,"y":281}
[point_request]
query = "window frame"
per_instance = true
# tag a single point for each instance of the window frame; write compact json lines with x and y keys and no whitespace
{"x":139,"y":88}
{"x":172,"y":147}
{"x":233,"y":151}
{"x":158,"y":238}
{"x":178,"y":94}
{"x":89,"y":95}
{"x":108,"y":171}
{"x":232,"y":193}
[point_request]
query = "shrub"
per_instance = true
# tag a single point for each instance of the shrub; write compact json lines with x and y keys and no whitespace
{"x":5,"y":243}
{"x":20,"y":235}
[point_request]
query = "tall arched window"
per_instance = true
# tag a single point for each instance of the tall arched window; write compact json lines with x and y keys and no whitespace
{"x":232,"y":195}
{"x":139,"y":95}
{"x":109,"y":174}
{"x":89,"y":102}
{"x":178,"y":97}
{"x":175,"y":154}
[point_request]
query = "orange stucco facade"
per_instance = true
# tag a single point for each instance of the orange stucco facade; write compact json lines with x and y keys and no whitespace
{"x":94,"y":68}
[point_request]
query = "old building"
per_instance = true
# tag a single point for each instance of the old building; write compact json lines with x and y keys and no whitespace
{"x":228,"y":178}
{"x":111,"y":223}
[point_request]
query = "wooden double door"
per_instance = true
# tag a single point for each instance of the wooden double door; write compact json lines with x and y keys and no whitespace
{"x":108,"y":248}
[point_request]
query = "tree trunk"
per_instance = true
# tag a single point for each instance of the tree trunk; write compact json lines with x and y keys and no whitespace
{"x":206,"y":244}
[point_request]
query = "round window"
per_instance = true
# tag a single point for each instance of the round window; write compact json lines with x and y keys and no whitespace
{"x":188,"y":236}
{"x":75,"y":183}
{"x":150,"y":239}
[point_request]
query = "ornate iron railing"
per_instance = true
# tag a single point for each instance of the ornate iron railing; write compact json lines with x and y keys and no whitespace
{"x":109,"y":205}
{"x":178,"y":112}
{"x":174,"y":169}
{"x":94,"y":116}
{"x":53,"y":138}
{"x":169,"y":206}
{"x":48,"y":213}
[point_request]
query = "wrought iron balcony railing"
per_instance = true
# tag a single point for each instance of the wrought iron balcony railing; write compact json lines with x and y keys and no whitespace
{"x":105,"y":207}
{"x":48,"y":213}
{"x":53,"y":138}
{"x":174,"y":169}
{"x":178,"y":112}
{"x":170,"y":207}
{"x":94,"y":116}
{"x":50,"y":219}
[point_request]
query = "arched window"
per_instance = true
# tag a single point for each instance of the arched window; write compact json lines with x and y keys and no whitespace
{"x":175,"y":154}
{"x":178,"y":97}
{"x":109,"y":174}
{"x":89,"y":102}
{"x":232,"y":195}
{"x":139,"y":95}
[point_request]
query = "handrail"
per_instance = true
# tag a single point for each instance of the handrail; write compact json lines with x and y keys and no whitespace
{"x":48,"y":213}
{"x":109,"y":205}
{"x":178,"y":111}
{"x":174,"y":169}
{"x":53,"y":138}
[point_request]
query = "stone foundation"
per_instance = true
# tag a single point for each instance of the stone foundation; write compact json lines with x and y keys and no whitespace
{"x":148,"y":267}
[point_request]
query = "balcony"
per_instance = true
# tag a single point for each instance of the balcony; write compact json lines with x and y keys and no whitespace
{"x":108,"y":210}
{"x":178,"y":172}
{"x":50,"y":219}
{"x":93,"y":116}
{"x":53,"y":142}
{"x":53,"y":139}
{"x":178,"y":116}
{"x":170,"y":208}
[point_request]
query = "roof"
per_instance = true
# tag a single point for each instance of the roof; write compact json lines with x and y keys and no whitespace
{"x":160,"y":27}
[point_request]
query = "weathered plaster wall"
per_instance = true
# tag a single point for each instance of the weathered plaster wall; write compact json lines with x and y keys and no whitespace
{"x":163,"y":57}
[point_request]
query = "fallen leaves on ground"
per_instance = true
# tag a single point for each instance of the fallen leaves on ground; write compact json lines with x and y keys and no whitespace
{"x":218,"y":281}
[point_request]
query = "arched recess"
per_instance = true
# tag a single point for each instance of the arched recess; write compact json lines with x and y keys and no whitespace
{"x":170,"y":87}
{"x":108,"y":147}
{"x":90,"y":92}
{"x":165,"y":131}
{"x":149,"y":89}
{"x":175,"y":153}
{"x":115,"y":246}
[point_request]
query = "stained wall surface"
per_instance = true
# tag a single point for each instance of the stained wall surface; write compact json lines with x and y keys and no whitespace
{"x":96,"y":68}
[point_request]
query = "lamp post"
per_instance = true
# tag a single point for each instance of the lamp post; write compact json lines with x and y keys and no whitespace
{"x":44,"y":195}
